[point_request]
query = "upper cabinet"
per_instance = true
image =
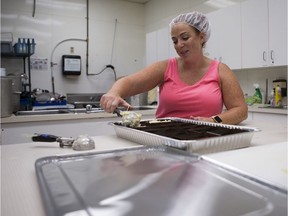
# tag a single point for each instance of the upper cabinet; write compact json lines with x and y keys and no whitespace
{"x":157,"y":45}
{"x":278,"y":32}
{"x":264,"y":33}
{"x":250,"y":34}
{"x":224,"y":44}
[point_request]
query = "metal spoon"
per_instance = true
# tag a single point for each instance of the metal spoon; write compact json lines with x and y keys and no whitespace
{"x":118,"y":112}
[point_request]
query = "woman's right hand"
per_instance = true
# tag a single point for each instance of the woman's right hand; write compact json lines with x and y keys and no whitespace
{"x":109,"y":102}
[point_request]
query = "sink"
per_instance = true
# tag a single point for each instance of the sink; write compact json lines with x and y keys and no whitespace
{"x":57,"y":111}
{"x":42,"y":112}
{"x":74,"y":111}
{"x":135,"y":108}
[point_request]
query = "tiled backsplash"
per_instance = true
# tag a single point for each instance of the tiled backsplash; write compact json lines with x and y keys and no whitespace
{"x":247,"y":77}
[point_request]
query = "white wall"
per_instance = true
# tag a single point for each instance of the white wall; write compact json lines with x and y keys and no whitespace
{"x":247,"y":77}
{"x":55,"y":21}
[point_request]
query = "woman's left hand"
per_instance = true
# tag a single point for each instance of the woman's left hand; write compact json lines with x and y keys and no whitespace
{"x":199,"y":118}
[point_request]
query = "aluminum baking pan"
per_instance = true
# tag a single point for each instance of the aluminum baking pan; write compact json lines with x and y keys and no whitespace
{"x":215,"y":142}
{"x":152,"y":181}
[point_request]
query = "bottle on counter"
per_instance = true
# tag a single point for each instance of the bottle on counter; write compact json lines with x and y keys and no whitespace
{"x":278,"y":96}
{"x":257,"y":95}
{"x":272,"y":99}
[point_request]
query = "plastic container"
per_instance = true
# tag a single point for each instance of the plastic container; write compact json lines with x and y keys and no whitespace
{"x":6,"y":97}
{"x":257,"y":95}
{"x":278,"y":96}
{"x":25,"y":46}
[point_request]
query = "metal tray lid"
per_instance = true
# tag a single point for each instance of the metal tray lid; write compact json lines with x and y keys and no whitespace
{"x":149,"y":181}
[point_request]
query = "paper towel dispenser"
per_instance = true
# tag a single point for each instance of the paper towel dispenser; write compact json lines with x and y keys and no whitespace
{"x":71,"y":64}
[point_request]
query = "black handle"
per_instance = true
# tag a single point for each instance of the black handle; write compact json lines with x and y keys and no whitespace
{"x":44,"y":138}
{"x":118,"y":112}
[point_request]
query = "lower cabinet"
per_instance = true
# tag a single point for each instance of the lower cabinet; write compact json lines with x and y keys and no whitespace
{"x":269,"y":118}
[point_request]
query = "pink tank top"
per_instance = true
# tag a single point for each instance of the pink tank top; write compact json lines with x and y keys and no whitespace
{"x":178,"y":99}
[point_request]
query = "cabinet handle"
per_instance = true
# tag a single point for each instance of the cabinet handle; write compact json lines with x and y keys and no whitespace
{"x":264,"y":56}
{"x":272,"y":56}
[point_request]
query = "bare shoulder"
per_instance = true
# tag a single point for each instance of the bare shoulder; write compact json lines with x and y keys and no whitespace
{"x":152,"y":74}
{"x":226,"y":74}
{"x":159,"y":66}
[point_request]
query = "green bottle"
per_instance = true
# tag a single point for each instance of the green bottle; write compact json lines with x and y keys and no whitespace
{"x":257,"y":95}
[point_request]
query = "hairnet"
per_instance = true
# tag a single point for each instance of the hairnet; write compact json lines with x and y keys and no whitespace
{"x":196,"y":20}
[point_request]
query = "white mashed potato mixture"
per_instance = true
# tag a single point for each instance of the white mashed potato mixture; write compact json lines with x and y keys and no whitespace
{"x":130,"y":118}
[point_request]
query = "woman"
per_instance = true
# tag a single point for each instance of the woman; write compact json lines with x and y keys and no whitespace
{"x":191,"y":85}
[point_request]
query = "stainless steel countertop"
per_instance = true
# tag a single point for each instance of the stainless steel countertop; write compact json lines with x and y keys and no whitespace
{"x":19,"y":177}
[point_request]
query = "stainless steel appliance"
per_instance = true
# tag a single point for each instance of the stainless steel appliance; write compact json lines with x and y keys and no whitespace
{"x":6,"y":97}
{"x":16,"y":91}
{"x":81,"y":100}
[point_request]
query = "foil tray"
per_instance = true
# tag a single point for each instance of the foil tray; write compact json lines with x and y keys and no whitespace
{"x":214,"y":143}
{"x":143,"y":181}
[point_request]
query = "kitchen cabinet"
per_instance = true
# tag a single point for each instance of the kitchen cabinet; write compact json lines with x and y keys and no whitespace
{"x":272,"y":118}
{"x":159,"y":46}
{"x":156,"y":45}
{"x":224,"y":44}
{"x":151,"y":48}
{"x":264,"y":33}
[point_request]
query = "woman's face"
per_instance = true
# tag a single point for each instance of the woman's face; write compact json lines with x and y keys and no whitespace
{"x":187,"y":40}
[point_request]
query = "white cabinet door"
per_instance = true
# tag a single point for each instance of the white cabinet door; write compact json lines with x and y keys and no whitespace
{"x":162,"y":44}
{"x":264,"y":33}
{"x":151,"y":47}
{"x":157,"y":45}
{"x":225,"y":41}
{"x":278,"y":32}
{"x":254,"y":33}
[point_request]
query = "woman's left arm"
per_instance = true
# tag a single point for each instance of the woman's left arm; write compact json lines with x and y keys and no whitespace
{"x":233,"y":97}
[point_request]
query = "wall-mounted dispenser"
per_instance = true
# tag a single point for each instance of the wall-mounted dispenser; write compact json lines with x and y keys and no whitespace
{"x":71,"y":64}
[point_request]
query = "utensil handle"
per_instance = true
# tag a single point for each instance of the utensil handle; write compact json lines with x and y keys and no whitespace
{"x":117,"y":111}
{"x":44,"y":138}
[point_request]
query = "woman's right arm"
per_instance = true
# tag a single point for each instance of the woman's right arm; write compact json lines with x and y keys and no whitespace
{"x":139,"y":82}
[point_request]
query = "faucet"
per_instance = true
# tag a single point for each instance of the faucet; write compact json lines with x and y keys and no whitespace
{"x":88,"y":108}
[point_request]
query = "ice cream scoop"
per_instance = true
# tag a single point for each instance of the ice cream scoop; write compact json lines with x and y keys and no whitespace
{"x":129,"y":118}
{"x":82,"y":143}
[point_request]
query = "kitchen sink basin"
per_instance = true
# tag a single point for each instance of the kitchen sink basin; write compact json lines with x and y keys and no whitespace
{"x":41,"y":112}
{"x":57,"y":111}
{"x":135,"y":108}
{"x":73,"y":111}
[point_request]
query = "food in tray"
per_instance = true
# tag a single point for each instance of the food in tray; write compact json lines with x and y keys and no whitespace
{"x":182,"y":130}
{"x":130,"y":118}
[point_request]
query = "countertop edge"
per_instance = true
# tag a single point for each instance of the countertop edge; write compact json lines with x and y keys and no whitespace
{"x":59,"y":117}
